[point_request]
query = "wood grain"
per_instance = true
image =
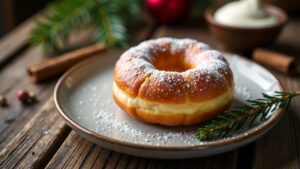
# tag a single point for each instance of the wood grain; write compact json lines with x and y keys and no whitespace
{"x":280,"y":147}
{"x":77,"y":152}
{"x":31,"y":137}
{"x":37,"y":141}
{"x":15,"y":41}
{"x":288,"y":42}
{"x":16,"y":116}
{"x":13,"y":78}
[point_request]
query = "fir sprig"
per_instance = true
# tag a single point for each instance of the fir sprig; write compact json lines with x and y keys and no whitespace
{"x":58,"y":21}
{"x":244,"y":116}
{"x":110,"y":27}
{"x":108,"y":17}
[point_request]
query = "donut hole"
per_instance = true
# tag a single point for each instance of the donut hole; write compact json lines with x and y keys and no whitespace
{"x":171,"y":62}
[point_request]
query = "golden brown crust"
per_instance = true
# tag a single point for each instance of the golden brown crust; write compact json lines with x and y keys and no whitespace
{"x":126,"y":80}
{"x":172,"y":71}
{"x":166,"y":89}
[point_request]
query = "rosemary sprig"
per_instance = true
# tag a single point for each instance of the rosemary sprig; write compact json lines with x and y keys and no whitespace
{"x":244,"y":116}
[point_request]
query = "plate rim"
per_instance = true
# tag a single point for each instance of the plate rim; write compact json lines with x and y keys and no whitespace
{"x":210,"y":144}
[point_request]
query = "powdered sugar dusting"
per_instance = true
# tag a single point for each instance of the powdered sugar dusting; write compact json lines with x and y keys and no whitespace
{"x":111,"y":127}
{"x":93,"y":86}
{"x":104,"y":117}
{"x":243,"y":92}
{"x":139,"y":60}
{"x":209,"y":62}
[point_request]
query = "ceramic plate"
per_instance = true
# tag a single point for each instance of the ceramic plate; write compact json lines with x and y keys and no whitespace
{"x":83,"y":96}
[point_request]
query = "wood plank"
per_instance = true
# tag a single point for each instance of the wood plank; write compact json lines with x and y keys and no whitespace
{"x":133,"y":162}
{"x":222,"y":161}
{"x":34,"y":145}
{"x":8,"y":15}
{"x":77,"y":152}
{"x":289,"y":39}
{"x":12,"y":124}
{"x":123,"y":162}
{"x":281,"y":146}
{"x":12,"y":78}
{"x":15,"y":41}
{"x":14,"y":117}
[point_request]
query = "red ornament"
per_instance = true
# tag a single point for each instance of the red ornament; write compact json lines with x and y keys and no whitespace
{"x":168,"y":11}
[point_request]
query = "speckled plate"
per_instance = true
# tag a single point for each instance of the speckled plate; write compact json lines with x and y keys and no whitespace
{"x":83,"y":97}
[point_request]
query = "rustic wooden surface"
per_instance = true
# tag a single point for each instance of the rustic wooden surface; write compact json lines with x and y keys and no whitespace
{"x":36,"y":136}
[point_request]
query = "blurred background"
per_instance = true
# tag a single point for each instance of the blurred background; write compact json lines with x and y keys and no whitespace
{"x":14,"y":12}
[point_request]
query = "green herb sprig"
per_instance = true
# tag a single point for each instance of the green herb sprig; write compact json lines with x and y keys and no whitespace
{"x":244,"y":116}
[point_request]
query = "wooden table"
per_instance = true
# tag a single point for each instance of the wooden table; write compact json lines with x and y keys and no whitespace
{"x":37,"y":137}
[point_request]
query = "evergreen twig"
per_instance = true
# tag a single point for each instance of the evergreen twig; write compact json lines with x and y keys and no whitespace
{"x":244,"y":116}
{"x":108,"y":17}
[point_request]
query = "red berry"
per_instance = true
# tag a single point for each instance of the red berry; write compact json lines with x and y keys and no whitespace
{"x":23,"y":95}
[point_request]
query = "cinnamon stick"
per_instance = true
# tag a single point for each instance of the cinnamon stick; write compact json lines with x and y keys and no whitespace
{"x":59,"y":64}
{"x":281,"y":62}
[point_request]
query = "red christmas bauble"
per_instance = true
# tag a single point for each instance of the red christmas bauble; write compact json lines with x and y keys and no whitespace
{"x":168,"y":11}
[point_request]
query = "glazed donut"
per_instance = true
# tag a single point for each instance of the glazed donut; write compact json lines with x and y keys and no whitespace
{"x":173,"y":82}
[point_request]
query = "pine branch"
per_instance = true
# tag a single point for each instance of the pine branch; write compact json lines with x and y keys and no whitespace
{"x":59,"y":20}
{"x":63,"y":17}
{"x":244,"y":116}
{"x":129,"y":10}
{"x":109,"y":26}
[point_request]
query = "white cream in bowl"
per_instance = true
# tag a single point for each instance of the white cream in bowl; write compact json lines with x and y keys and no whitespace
{"x":245,"y":14}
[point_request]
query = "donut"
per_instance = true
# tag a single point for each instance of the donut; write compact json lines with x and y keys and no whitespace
{"x":173,"y":82}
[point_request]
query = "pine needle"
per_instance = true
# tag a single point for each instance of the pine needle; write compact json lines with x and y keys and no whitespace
{"x":244,"y":116}
{"x":109,"y":17}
